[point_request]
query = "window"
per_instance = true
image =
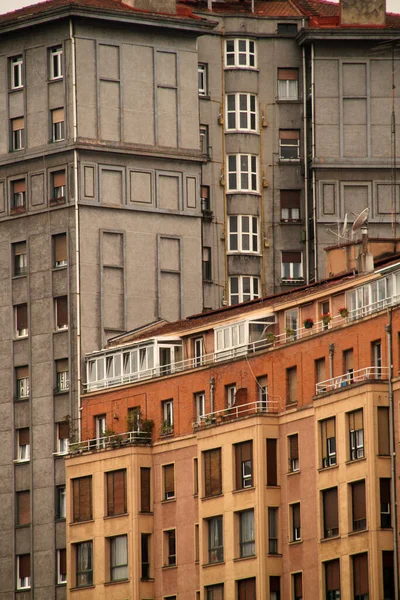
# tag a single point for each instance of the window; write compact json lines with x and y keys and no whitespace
{"x":200,"y":405}
{"x":61,"y":502}
{"x":23,"y":508}
{"x":274,"y":587}
{"x":359,"y":511}
{"x":204,"y":140}
{"x":293,"y":441}
{"x":23,"y":571}
{"x":170,"y":546}
{"x":57,"y":125}
{"x":63,"y":437}
{"x":320,"y":374}
{"x":22,"y":382}
{"x":215,"y":592}
{"x":84,"y":564}
{"x":169,"y":481}
{"x":168,"y":416}
{"x":295,"y":518}
{"x":243,"y":288}
{"x":240,"y":53}
{"x":328,"y":442}
{"x":100,"y":428}
{"x":241,"y":112}
{"x":272,"y":462}
{"x":18,"y":196}
{"x":244,"y":465}
{"x":60,"y":250}
{"x":356,"y":431}
{"x":290,"y":205}
{"x":348,"y":364}
{"x":388,"y":575}
{"x":292,"y":323}
{"x":324,"y":309}
{"x":247,"y":543}
{"x":62,"y":375}
{"x":289,"y":144}
{"x":21,"y":320}
{"x":246,"y":589}
{"x":17,"y":134}
{"x":20,"y":261}
{"x":332,"y":579}
{"x":118,"y":558}
{"x":195,"y":476}
{"x":16,"y":72}
{"x":145,"y":549}
{"x":215,"y":540}
{"x":58,"y":181}
{"x":61,"y":566}
{"x":297,"y":579}
{"x":82,"y":499}
{"x":196,"y":543}
{"x":291,"y":384}
{"x":205,"y":199}
{"x":288,"y":84}
{"x":212,"y":472}
{"x":292,"y":266}
{"x":134,"y":418}
{"x":242,"y":173}
{"x":330,"y":512}
{"x":243,"y":234}
{"x":384,"y":492}
{"x":230,"y":394}
{"x":383,"y":431}
{"x":145,"y":489}
{"x":206,"y":264}
{"x":287,"y":28}
{"x":360,"y":576}
{"x":272,"y":530}
{"x":116,"y":492}
{"x":61,"y":310}
{"x":23,"y":449}
{"x":376,"y":348}
{"x":56,"y":60}
{"x":202,"y":73}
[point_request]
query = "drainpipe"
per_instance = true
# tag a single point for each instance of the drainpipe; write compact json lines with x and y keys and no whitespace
{"x":312,"y":158}
{"x":305,"y":132}
{"x":392,"y":456}
{"x":331,"y":353}
{"x":77,"y":237}
{"x":212,"y":386}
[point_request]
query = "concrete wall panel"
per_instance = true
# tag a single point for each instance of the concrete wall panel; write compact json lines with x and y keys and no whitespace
{"x":109,"y":111}
{"x":327,"y":78}
{"x":86,"y":88}
{"x":56,"y":95}
{"x":23,"y":541}
{"x":37,"y":121}
{"x":108,"y":62}
{"x":16,"y":105}
{"x":113,"y":299}
{"x":2,"y":197}
{"x":355,"y":141}
{"x":141,"y":187}
{"x":188,"y":101}
{"x":166,"y":69}
{"x":168,"y":191}
{"x":111,"y":187}
{"x":138,"y":94}
{"x":4,"y":140}
{"x":37,"y":189}
{"x":113,"y":249}
{"x":170,"y":296}
{"x":354,"y":79}
{"x":167,"y":123}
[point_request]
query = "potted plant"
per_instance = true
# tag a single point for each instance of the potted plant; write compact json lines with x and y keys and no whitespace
{"x":326,"y":318}
{"x":343,"y":312}
{"x":270,"y":337}
{"x":290,"y":333}
{"x":308,"y":323}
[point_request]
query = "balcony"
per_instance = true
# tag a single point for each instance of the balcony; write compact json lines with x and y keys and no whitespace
{"x":129,"y":438}
{"x":240,"y":411}
{"x":342,"y":381}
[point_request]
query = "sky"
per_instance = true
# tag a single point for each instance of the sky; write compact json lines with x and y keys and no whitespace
{"x":8,"y":5}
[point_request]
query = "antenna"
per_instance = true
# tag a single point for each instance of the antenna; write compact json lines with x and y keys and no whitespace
{"x":360,"y":220}
{"x":341,"y":233}
{"x":344,"y":228}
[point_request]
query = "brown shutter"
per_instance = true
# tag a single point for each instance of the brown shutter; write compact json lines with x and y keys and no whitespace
{"x":291,"y":257}
{"x":296,"y":515}
{"x":216,"y":472}
{"x":290,"y":199}
{"x":332,"y":575}
{"x":62,"y":311}
{"x":62,"y":365}
{"x":63,"y":430}
{"x":272,"y":463}
{"x":274,"y":584}
{"x":387,"y":559}
{"x":110,"y":494}
{"x":383,"y":431}
{"x":25,"y":565}
{"x":294,"y":446}
{"x":23,"y":436}
{"x":60,"y":245}
{"x":145,"y":489}
{"x":298,"y":585}
{"x":18,"y":124}
{"x":243,"y":453}
{"x":63,"y":560}
{"x":320,"y":369}
{"x":288,"y":74}
{"x":289,"y":134}
{"x":330,"y":500}
{"x":169,"y":484}
{"x":24,"y":508}
{"x":360,"y":574}
{"x":19,"y":248}
{"x":82,"y":498}
{"x":348,"y":360}
{"x":241,"y":396}
{"x":58,"y":115}
{"x":218,"y":592}
{"x":58,"y":181}
{"x":384,"y":485}
{"x":22,"y":316}
{"x":356,"y":420}
{"x":359,"y":508}
{"x":22,"y":372}
{"x":247,"y":589}
{"x":119,"y":480}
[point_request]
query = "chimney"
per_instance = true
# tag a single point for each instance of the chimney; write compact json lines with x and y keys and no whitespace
{"x":156,"y":6}
{"x":363,"y":12}
{"x":365,"y":260}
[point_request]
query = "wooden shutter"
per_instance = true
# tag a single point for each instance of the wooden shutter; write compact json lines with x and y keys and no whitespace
{"x":247,"y":589}
{"x":62,"y":365}
{"x":145,"y":489}
{"x":387,"y":559}
{"x":272,"y":463}
{"x":275,"y":584}
{"x":289,"y":134}
{"x":320,"y":369}
{"x":62,"y":311}
{"x":288,"y":74}
{"x":212,"y":472}
{"x":169,"y":483}
{"x":356,"y":420}
{"x":58,"y":115}
{"x":360,"y":574}
{"x":82,"y":498}
{"x":119,"y":480}
{"x":330,"y":500}
{"x":296,"y":515}
{"x":332,"y":575}
{"x":23,"y":436}
{"x":218,"y":592}
{"x":243,"y":452}
{"x":22,"y":316}
{"x":18,"y":124}
{"x":60,"y":244}
{"x":298,"y":585}
{"x":25,"y":565}
{"x":290,"y":198}
{"x":22,"y":372}
{"x":294,"y":446}
{"x":63,"y":430}
{"x":327,"y":432}
{"x":384,"y":486}
{"x":24,"y":508}
{"x":359,"y":507}
{"x":291,"y":257}
{"x":63,"y":560}
{"x":383,"y":431}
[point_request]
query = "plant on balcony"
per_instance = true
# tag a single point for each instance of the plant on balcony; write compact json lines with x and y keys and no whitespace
{"x":147,"y":425}
{"x":270,"y":337}
{"x":326,"y":318}
{"x":166,"y":428}
{"x":343,"y":312}
{"x":290,"y":332}
{"x":16,"y":210}
{"x":308,"y":323}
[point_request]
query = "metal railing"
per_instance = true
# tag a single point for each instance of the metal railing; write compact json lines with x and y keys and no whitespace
{"x":341,"y":381}
{"x":237,"y":412}
{"x":129,"y":438}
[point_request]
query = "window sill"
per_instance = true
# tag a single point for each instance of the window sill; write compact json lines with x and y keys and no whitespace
{"x":17,"y":210}
{"x":243,"y":489}
{"x":241,"y":68}
{"x":243,"y":558}
{"x":59,"y":520}
{"x":322,"y":469}
{"x":63,"y":330}
{"x":57,"y":201}
{"x":291,"y":222}
{"x":51,"y":81}
{"x":60,"y":268}
{"x":356,"y":460}
{"x":249,"y":192}
{"x":25,"y":526}
{"x":21,"y":337}
{"x":24,"y":399}
{"x":273,"y":487}
{"x":213,"y":564}
{"x":293,"y":472}
{"x":328,"y":539}
{"x":204,"y":97}
{"x":20,"y":276}
{"x":289,"y":161}
{"x":242,"y":252}
{"x":288,"y":101}
{"x":167,"y":567}
{"x":246,"y":131}
{"x":147,"y":579}
{"x":61,"y":392}
{"x":212,"y":497}
{"x":277,"y":554}
{"x":74,"y":523}
{"x":358,"y":532}
{"x":125,"y":514}
{"x":295,"y":542}
{"x":168,"y":500}
{"x":107,"y":583}
{"x":17,"y":461}
{"x":61,"y":584}
{"x":382,"y":456}
{"x":146,"y":512}
{"x":82,"y":587}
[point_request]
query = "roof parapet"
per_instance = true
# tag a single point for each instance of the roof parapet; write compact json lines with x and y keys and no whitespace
{"x":157,"y":6}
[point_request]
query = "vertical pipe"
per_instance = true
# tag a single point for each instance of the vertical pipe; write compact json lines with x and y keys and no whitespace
{"x":224,"y":171}
{"x":331,"y":353}
{"x":312,"y":158}
{"x":305,"y":150}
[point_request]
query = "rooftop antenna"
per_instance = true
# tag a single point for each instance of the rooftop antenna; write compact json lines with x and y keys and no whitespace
{"x":359,"y":222}
{"x":344,"y":228}
{"x":341,"y":232}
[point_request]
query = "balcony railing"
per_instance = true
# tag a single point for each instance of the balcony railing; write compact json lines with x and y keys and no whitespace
{"x":368,"y":373}
{"x":129,"y":438}
{"x":237,"y":412}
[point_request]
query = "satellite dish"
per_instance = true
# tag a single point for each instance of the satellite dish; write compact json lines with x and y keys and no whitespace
{"x":359,"y":222}
{"x":344,"y":229}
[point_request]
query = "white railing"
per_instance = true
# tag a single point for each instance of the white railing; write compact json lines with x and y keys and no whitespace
{"x":138,"y":438}
{"x":368,"y":373}
{"x":247,"y":349}
{"x":237,"y":412}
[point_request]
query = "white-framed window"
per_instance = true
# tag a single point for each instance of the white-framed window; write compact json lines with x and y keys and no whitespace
{"x":61,"y":566}
{"x":243,"y":288}
{"x":61,"y":502}
{"x":18,"y":194}
{"x":20,"y":259}
{"x":230,"y":395}
{"x":292,"y":265}
{"x":202,"y":79}
{"x":241,"y":112}
{"x":240,"y":53}
{"x":17,"y":134}
{"x":242,"y":173}
{"x":16,"y":72}
{"x":22,"y":382}
{"x":56,"y":63}
{"x":23,"y":445}
{"x":206,"y":263}
{"x":168,"y":413}
{"x":288,"y":84}
{"x":23,"y":571}
{"x":243,"y":234}
{"x":62,"y":375}
{"x":200,"y":402}
{"x":60,"y":254}
{"x":292,"y":319}
{"x":198,"y":348}
{"x":290,"y":205}
{"x":58,"y":181}
{"x":119,"y":558}
{"x":62,"y":437}
{"x":230,"y":336}
{"x":204,"y":140}
{"x":101,"y":426}
{"x":57,"y":125}
{"x":61,"y":312}
{"x":21,"y":320}
{"x":289,"y":144}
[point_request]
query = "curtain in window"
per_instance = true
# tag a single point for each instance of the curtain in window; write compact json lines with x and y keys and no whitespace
{"x":247,"y":543}
{"x":119,"y":558}
{"x":84,"y":566}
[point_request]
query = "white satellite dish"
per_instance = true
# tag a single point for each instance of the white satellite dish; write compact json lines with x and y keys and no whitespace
{"x":359,"y":222}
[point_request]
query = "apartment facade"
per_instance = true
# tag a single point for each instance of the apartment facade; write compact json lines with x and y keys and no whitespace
{"x":258,"y":463}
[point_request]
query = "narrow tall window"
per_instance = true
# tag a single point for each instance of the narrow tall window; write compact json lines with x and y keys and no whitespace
{"x":356,"y":432}
{"x":168,"y":416}
{"x":212,"y":472}
{"x":56,"y":63}
{"x":383,"y":431}
{"x":296,"y":528}
{"x":17,"y":134}
{"x":58,"y":180}
{"x":170,"y":547}
{"x":23,"y":508}
{"x":119,"y":558}
{"x":21,"y":320}
{"x":385,"y":504}
{"x":328,"y":442}
{"x":291,"y":383}
{"x":330,"y":512}
{"x":272,"y":530}
{"x":84,"y":564}
{"x":246,"y":589}
{"x":297,"y":586}
{"x":169,"y":481}
{"x":145,"y":489}
{"x":63,"y":437}
{"x":215,"y":540}
{"x":290,"y":205}
{"x":348,"y":365}
{"x":244,"y":465}
{"x":241,"y":112}
{"x":288,"y":86}
{"x":274,"y":587}
{"x":272,"y":462}
{"x":320,"y":374}
{"x":360,"y":576}
{"x":262,"y":386}
{"x":20,"y":260}
{"x":61,"y":566}
{"x":205,"y":200}
{"x":145,"y":550}
{"x":23,"y":444}
{"x":289,"y":144}
{"x":293,"y":441}
{"x":22,"y":382}
{"x":206,"y":263}
{"x":202,"y":76}
{"x":215,"y":592}
{"x":116,"y":492}
{"x":23,"y":571}
{"x":82,"y":499}
{"x":359,"y":510}
{"x":16,"y":72}
{"x":247,"y":543}
{"x":376,"y":348}
{"x":200,"y":405}
{"x":388,"y":574}
{"x":61,"y":310}
{"x":292,"y":266}
{"x":61,"y":502}
{"x":60,"y":250}
{"x":195,"y":476}
{"x":243,"y":234}
{"x":57,"y":125}
{"x":332,"y":579}
{"x":242,"y":173}
{"x":62,"y":374}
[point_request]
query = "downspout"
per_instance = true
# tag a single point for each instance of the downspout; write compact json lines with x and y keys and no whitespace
{"x":212,"y":386}
{"x":77,"y":237}
{"x":305,"y":133}
{"x":392,"y":456}
{"x":224,"y":176}
{"x":331,"y":353}
{"x":314,"y":209}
